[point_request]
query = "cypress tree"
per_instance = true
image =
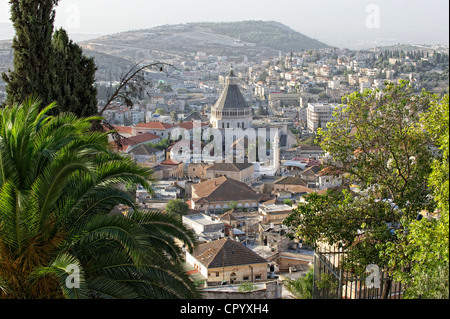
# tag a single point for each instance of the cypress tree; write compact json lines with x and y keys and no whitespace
{"x":73,"y":81}
{"x":32,"y":44}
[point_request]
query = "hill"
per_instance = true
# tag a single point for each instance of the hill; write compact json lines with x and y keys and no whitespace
{"x":255,"y":39}
{"x":272,"y":34}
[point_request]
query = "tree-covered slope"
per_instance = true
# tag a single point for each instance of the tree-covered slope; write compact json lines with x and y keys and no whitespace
{"x":266,"y":33}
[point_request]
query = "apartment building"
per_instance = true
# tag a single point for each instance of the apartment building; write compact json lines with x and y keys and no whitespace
{"x":319,"y":114}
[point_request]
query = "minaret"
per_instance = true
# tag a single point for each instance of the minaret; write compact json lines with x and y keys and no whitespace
{"x":276,"y":152}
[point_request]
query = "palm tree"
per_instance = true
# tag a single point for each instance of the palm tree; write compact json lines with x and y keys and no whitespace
{"x":59,"y":183}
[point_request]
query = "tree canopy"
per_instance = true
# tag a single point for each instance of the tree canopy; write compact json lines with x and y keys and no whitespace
{"x":381,"y":146}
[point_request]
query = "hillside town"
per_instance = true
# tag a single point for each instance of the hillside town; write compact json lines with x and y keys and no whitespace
{"x":235,"y":205}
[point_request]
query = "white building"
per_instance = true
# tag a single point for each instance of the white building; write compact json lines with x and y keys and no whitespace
{"x":319,"y":114}
{"x":231,"y":109}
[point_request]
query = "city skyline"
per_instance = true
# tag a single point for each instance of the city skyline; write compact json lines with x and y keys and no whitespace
{"x":347,"y":23}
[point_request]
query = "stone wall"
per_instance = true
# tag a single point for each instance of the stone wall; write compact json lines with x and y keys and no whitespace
{"x":271,"y":290}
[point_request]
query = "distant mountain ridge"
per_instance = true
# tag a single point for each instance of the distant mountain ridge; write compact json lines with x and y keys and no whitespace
{"x":272,"y":34}
{"x":261,"y":39}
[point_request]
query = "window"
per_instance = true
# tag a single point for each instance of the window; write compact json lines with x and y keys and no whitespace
{"x":217,"y":274}
{"x":228,"y":125}
{"x":258,"y":277}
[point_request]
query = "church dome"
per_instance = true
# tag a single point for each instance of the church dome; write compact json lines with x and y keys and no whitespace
{"x":231,"y":97}
{"x":231,"y":109}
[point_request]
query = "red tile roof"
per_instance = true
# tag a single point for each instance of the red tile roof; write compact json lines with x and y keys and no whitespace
{"x":224,"y":189}
{"x":226,"y":253}
{"x":155,"y":125}
{"x":134,"y":140}
{"x":124,"y":129}
{"x":170,"y":162}
{"x":191,"y":125}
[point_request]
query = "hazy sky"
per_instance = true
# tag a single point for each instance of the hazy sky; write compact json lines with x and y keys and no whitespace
{"x":413,"y":21}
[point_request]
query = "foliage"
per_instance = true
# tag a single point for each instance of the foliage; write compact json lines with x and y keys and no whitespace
{"x":424,"y":249}
{"x":288,"y":202}
{"x":247,"y":287}
{"x":177,"y":207}
{"x":160,"y":111}
{"x":326,"y":282}
{"x":232,"y":205}
{"x":32,"y":45}
{"x":74,"y":77}
{"x":163,"y":144}
{"x":48,"y":65}
{"x":269,"y":34}
{"x":59,"y":183}
{"x":301,"y":288}
{"x":377,"y":143}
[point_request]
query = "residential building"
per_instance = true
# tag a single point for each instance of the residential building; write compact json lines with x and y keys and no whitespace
{"x":274,"y":213}
{"x":329,"y":177}
{"x":311,"y":176}
{"x":227,"y":261}
{"x":157,"y":128}
{"x":287,"y":187}
{"x":218,"y":194}
{"x":319,"y":114}
{"x":204,"y":226}
{"x":146,"y":155}
{"x":168,"y":169}
{"x":198,"y":170}
{"x":242,"y":172}
{"x":130,"y":143}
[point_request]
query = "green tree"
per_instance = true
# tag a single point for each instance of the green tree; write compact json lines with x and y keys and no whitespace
{"x":59,"y":183}
{"x":288,"y":202}
{"x":177,"y":208}
{"x":160,"y":111}
{"x":377,"y":143}
{"x":74,"y":77}
{"x":32,"y":45}
{"x":301,"y":288}
{"x":422,"y":262}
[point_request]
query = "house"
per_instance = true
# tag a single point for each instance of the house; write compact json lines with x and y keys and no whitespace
{"x":287,"y":187}
{"x":274,"y":213}
{"x":226,"y":260}
{"x":242,"y":172}
{"x":311,"y":176}
{"x":204,"y":226}
{"x":195,"y":116}
{"x":309,"y":151}
{"x":231,"y":223}
{"x":125,"y":131}
{"x":219,"y":193}
{"x":130,"y":143}
{"x":160,"y":129}
{"x":229,"y":219}
{"x":198,"y":170}
{"x":168,"y":169}
{"x":190,"y":126}
{"x":329,"y":177}
{"x":146,"y":155}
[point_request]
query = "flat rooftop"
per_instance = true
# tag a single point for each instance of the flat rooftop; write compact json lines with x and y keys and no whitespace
{"x":202,"y":219}
{"x":276,"y":208}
